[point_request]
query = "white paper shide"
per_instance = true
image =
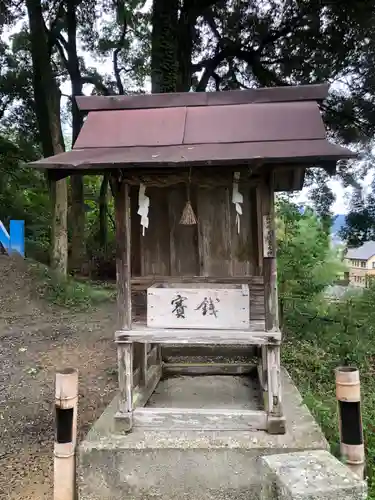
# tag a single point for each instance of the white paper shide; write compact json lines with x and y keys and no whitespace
{"x":237,"y":199}
{"x":143,"y":206}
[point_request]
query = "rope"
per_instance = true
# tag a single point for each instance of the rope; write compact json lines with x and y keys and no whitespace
{"x":208,"y":182}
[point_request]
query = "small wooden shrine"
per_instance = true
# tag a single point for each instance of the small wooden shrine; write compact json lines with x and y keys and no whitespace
{"x":194,"y":178}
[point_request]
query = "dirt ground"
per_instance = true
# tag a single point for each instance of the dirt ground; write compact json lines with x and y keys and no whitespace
{"x":35,"y":340}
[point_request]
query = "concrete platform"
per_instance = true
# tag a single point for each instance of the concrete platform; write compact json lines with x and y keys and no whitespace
{"x":207,"y":391}
{"x":192,"y":464}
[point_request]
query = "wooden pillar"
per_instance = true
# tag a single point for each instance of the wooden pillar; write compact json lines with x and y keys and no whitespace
{"x":269,"y":256}
{"x":271,"y":354}
{"x":140,"y":351}
{"x":124,"y":303}
{"x":123,"y":256}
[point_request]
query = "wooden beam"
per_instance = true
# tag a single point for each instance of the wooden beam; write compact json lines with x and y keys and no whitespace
{"x":124,"y":304}
{"x":143,"y":393}
{"x":208,"y":368}
{"x":222,"y":351}
{"x":152,"y":359}
{"x":146,"y":280}
{"x":143,"y":365}
{"x":123,"y":267}
{"x":269,"y":255}
{"x":274,"y":380}
{"x":123,"y":254}
{"x":269,"y":367}
{"x":125,"y":370}
{"x":259,"y":195}
{"x":262,"y":368}
{"x":196,"y":337}
{"x":182,"y":419}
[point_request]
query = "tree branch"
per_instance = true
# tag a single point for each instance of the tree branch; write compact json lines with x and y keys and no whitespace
{"x":116,"y":52}
{"x":210,"y":67}
{"x":99,"y":86}
{"x":271,"y":37}
{"x":264,"y":75}
{"x":61,"y":44}
{"x":53,"y":31}
{"x":210,"y":20}
{"x":3,"y":107}
{"x":217,"y":79}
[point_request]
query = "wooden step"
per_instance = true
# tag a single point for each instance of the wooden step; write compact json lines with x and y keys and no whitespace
{"x":142,"y":334}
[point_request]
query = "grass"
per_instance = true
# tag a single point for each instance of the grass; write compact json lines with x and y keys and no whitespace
{"x":68,"y":292}
{"x":320,"y":337}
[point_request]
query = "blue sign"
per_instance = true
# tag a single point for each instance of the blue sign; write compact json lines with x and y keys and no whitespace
{"x":14,"y":241}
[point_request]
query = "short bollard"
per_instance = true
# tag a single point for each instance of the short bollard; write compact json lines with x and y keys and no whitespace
{"x":66,"y":399}
{"x":348,"y":395}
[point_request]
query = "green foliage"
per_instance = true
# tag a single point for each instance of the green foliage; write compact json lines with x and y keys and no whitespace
{"x":320,"y":333}
{"x":323,"y":333}
{"x":68,"y":292}
{"x":306,"y":262}
{"x":360,"y":222}
{"x":321,"y":336}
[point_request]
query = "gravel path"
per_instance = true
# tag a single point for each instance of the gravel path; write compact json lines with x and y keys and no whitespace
{"x":35,"y":340}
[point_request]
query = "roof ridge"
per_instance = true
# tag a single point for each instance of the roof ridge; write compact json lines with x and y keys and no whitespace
{"x":315,"y":92}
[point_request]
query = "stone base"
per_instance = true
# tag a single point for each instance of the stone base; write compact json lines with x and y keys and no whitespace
{"x":309,"y":475}
{"x":199,"y":465}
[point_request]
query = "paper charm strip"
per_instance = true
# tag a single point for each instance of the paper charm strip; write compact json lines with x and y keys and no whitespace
{"x":237,"y":199}
{"x":143,"y":206}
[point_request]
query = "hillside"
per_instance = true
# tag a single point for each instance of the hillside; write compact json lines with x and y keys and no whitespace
{"x":37,"y":337}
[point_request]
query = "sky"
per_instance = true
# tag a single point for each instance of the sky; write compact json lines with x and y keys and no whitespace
{"x":341,"y":204}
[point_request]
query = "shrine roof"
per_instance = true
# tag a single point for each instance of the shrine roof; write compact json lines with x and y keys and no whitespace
{"x":273,"y":125}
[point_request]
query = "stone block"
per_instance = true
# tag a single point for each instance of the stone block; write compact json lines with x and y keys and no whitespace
{"x":309,"y":475}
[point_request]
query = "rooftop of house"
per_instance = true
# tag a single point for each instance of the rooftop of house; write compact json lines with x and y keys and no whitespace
{"x":364,"y":252}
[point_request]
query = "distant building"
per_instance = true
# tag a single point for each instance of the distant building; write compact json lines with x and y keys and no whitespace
{"x":361,"y":264}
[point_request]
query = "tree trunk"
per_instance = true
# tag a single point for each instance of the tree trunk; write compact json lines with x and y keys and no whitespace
{"x":186,"y":29}
{"x":59,"y":258}
{"x":164,"y":46}
{"x":77,"y":219}
{"x":47,"y":105}
{"x":103,"y":211}
{"x":78,"y":248}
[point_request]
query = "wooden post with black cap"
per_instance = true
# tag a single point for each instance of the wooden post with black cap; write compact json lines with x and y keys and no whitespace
{"x":348,"y":395}
{"x":66,"y":399}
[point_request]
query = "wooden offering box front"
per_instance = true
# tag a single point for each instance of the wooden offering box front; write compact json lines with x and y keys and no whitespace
{"x":198,"y":305}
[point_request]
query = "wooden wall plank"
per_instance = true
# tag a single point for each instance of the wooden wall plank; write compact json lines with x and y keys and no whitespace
{"x":213,"y":229}
{"x":184,"y":259}
{"x":155,"y":250}
{"x":135,"y":232}
{"x":255,"y":232}
{"x":259,"y":225}
{"x":205,"y":249}
{"x":242,"y":245}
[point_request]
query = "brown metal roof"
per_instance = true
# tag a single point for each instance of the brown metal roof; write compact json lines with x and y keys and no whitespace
{"x":307,"y":152}
{"x":185,"y":99}
{"x":197,"y":125}
{"x":284,"y":130}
